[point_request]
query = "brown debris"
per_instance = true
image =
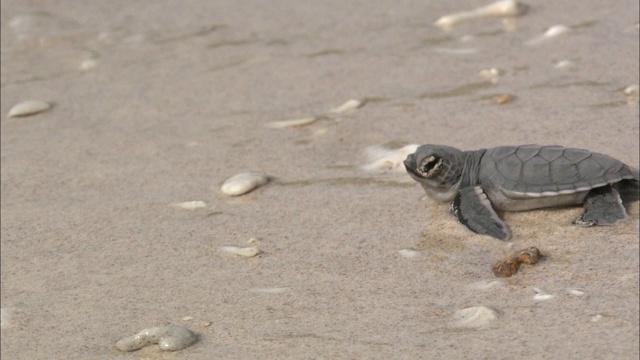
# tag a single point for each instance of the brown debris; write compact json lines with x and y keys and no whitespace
{"x":510,"y":265}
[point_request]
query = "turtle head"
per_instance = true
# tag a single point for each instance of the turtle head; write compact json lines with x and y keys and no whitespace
{"x":438,"y":169}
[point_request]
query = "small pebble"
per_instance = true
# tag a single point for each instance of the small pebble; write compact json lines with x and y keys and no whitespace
{"x":409,"y":253}
{"x":29,"y":107}
{"x":575,"y":292}
{"x":506,"y":268}
{"x":503,"y":8}
{"x":564,"y":64}
{"x":243,"y":183}
{"x":349,"y":105}
{"x":551,"y":32}
{"x":596,"y":318}
{"x":249,"y":251}
{"x":192,"y":205}
{"x":474,"y":317}
{"x":87,"y":65}
{"x":541,"y":295}
{"x":510,"y":265}
{"x":504,"y":99}
{"x":281,"y":124}
{"x":491,"y":74}
{"x":632,"y":92}
{"x":170,"y":338}
{"x":529,"y":256}
{"x":187,"y":318}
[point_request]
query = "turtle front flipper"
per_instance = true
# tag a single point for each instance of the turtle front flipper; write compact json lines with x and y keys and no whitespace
{"x":603,"y":206}
{"x":473,"y":209}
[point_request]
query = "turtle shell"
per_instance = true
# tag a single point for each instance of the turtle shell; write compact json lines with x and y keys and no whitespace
{"x":531,"y":171}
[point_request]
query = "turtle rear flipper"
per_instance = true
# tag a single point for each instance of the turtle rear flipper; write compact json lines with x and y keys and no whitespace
{"x":603,"y":206}
{"x":473,"y":209}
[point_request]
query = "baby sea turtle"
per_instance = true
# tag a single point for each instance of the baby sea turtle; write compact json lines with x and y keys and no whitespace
{"x":516,"y":178}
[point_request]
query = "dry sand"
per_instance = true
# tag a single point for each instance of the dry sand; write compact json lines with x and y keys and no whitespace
{"x":157,"y":103}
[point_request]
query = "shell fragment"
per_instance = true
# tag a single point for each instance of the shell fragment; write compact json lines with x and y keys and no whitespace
{"x":243,"y":183}
{"x":29,"y":107}
{"x":170,"y":338}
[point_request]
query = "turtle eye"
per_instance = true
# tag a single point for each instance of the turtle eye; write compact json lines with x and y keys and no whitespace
{"x":430,"y":166}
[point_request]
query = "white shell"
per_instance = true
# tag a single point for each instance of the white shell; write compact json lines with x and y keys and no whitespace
{"x":596,"y":318}
{"x":477,"y":316}
{"x":575,"y":292}
{"x":249,"y":251}
{"x":556,"y":30}
{"x":409,"y":253}
{"x":503,"y":8}
{"x":192,"y":205}
{"x":281,"y":124}
{"x":170,"y":338}
{"x":551,"y":32}
{"x":87,"y":64}
{"x":541,"y":295}
{"x":243,"y":183}
{"x":349,"y":105}
{"x":29,"y":107}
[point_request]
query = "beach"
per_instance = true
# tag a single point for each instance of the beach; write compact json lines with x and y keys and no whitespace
{"x":155,"y":104}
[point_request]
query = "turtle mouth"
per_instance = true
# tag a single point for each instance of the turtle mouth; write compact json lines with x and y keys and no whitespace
{"x":410,"y":165}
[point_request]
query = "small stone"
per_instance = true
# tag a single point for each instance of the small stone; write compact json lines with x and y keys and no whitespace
{"x":243,"y":183}
{"x":474,"y":317}
{"x":170,"y":338}
{"x":349,"y":105}
{"x":504,"y":99}
{"x":250,"y":251}
{"x":506,"y":268}
{"x":529,"y":256}
{"x":29,"y":107}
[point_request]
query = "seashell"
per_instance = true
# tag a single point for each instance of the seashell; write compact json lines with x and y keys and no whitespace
{"x":551,"y":32}
{"x":409,"y":253}
{"x":249,"y":251}
{"x":281,"y":124}
{"x":349,"y":105}
{"x":87,"y":64}
{"x":187,"y":318}
{"x":632,"y":94}
{"x":575,"y":292}
{"x":192,"y":205}
{"x":504,"y":99}
{"x":474,"y":317}
{"x":170,"y":338}
{"x":243,"y":183}
{"x":555,"y":30}
{"x":596,"y":318}
{"x":491,"y":74}
{"x":564,"y":64}
{"x":503,"y":8}
{"x":541,"y":295}
{"x":29,"y":107}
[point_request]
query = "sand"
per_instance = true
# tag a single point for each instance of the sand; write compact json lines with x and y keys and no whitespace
{"x":157,"y":103}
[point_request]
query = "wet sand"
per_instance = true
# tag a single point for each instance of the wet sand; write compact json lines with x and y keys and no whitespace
{"x":158,"y":103}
